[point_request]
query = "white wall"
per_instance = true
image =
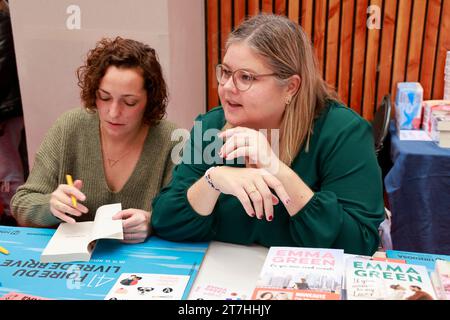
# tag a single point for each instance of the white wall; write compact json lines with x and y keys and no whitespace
{"x":50,"y":47}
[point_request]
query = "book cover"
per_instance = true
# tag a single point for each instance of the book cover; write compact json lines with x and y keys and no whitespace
{"x":295,"y":273}
{"x":442,"y":274}
{"x":422,"y":259}
{"x":218,"y":280}
{"x":377,"y":256}
{"x":380,"y":280}
{"x":430,"y":106}
{"x":76,"y":241}
{"x":174,"y":264}
{"x":436,"y":285}
{"x":21,"y":296}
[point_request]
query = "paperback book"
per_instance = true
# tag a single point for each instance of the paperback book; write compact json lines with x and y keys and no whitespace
{"x":294,"y":273}
{"x":380,"y":280}
{"x":442,"y":274}
{"x":76,"y":241}
{"x":427,"y":260}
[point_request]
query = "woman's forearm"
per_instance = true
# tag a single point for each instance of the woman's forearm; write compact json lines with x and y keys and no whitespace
{"x":298,"y":191}
{"x":202,"y":197}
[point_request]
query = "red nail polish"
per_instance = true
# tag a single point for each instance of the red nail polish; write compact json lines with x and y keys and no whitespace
{"x":270,"y":218}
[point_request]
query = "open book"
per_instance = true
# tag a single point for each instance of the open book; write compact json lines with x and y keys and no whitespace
{"x":76,"y":242}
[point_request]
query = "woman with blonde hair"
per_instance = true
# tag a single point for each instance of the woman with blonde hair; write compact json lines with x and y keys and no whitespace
{"x":292,"y":166}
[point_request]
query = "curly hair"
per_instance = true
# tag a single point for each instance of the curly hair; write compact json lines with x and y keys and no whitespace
{"x":124,"y":53}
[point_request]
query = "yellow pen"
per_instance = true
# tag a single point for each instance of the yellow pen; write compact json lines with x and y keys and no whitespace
{"x":3,"y":250}
{"x":70,"y":183}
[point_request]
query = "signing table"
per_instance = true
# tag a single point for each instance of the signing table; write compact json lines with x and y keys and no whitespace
{"x":418,"y":188}
{"x":153,"y":270}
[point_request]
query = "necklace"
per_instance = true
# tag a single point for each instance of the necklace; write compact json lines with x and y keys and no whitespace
{"x":113,"y":161}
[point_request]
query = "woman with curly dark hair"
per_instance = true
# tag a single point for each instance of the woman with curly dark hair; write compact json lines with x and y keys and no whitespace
{"x":118,"y":147}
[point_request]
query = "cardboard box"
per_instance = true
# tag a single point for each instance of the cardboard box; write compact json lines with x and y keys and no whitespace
{"x":408,"y":105}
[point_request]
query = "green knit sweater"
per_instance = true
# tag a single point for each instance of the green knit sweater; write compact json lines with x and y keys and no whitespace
{"x":72,"y":146}
{"x":340,"y":167}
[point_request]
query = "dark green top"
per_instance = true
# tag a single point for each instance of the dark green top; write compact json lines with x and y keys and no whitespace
{"x":340,"y":167}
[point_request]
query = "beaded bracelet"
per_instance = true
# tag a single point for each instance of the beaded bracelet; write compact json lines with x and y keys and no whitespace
{"x":208,"y":179}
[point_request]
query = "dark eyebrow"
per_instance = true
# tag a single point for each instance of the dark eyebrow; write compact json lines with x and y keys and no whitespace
{"x":99,"y":89}
{"x":125,"y":95}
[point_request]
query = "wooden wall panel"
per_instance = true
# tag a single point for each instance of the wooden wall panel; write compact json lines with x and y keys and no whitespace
{"x":319,"y":29}
{"x":253,"y":7}
{"x":429,"y":47}
{"x":362,"y":64}
{"x":294,"y":10}
{"x":331,"y":56}
{"x":345,"y":51}
{"x":267,"y":6}
{"x":212,"y":49}
{"x":386,"y":51}
{"x":370,"y":74}
{"x":401,"y":44}
{"x":307,"y":16}
{"x":442,"y":48}
{"x":225,"y":24}
{"x":415,"y":40}
{"x":280,"y":7}
{"x":239,"y":11}
{"x":358,"y":54}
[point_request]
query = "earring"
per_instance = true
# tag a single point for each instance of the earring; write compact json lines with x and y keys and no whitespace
{"x":288,"y":100}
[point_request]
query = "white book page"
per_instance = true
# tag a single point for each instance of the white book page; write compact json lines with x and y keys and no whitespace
{"x":75,"y":241}
{"x":104,"y":225}
{"x":69,"y":239}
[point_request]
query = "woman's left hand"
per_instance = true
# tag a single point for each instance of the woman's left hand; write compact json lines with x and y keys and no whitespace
{"x":251,"y":144}
{"x":136,"y":225}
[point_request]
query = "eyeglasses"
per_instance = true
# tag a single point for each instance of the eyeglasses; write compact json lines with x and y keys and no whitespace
{"x":242,"y":79}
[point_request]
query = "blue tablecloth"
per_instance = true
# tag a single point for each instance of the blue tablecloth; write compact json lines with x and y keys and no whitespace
{"x":418,"y":188}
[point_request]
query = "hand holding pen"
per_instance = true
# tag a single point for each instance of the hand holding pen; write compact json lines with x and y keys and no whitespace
{"x":63,"y":201}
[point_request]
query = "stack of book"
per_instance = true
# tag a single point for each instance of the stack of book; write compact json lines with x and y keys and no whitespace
{"x":314,"y":273}
{"x":447,"y":78}
{"x":440,"y":128}
{"x":433,"y":106}
{"x":443,"y":121}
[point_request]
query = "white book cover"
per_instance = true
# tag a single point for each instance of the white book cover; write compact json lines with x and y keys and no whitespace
{"x":296,"y":273}
{"x":148,"y":286}
{"x":228,"y":272}
{"x":76,"y":241}
{"x":380,"y":280}
{"x":442,"y":275}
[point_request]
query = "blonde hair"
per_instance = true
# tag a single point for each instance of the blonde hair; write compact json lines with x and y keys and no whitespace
{"x":287,"y":51}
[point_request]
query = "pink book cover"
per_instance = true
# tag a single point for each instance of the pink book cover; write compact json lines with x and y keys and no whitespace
{"x":21,"y":296}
